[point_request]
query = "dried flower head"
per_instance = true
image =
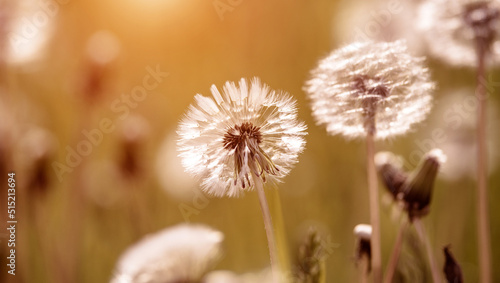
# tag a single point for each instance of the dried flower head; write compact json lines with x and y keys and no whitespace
{"x":183,"y":253}
{"x":453,"y":28}
{"x":376,"y":88}
{"x":243,"y":133}
{"x":390,"y":168}
{"x":363,"y":234}
{"x":417,"y":190}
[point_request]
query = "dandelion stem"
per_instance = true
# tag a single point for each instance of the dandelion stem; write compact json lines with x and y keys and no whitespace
{"x":396,"y":251}
{"x":482,"y":156}
{"x":268,"y":225}
{"x":365,"y":270}
{"x":423,"y":237}
{"x":374,"y":208}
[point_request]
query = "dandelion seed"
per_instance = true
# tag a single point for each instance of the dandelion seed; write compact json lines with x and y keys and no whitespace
{"x":453,"y":27}
{"x":183,"y":253}
{"x":240,"y":134}
{"x":376,"y":88}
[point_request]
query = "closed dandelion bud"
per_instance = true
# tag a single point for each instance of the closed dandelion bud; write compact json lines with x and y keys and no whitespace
{"x":452,"y":269}
{"x":245,"y":132}
{"x":183,"y":253}
{"x":370,"y":88}
{"x":363,"y":234}
{"x":391,"y":172}
{"x":417,"y":190}
{"x":454,"y":28}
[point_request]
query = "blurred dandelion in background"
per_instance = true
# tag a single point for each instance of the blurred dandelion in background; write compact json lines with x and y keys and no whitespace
{"x":370,"y":87}
{"x":454,"y":123}
{"x":372,"y":90}
{"x":182,"y":253}
{"x":247,"y":132}
{"x":29,"y":30}
{"x":451,"y":28}
{"x":379,"y":20}
{"x":465,"y":33}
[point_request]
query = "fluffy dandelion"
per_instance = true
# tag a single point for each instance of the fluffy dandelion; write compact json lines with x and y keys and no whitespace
{"x":452,"y":29}
{"x":183,"y":253}
{"x":465,"y":32}
{"x":239,"y":139}
{"x":247,"y":132}
{"x":372,"y":90}
{"x":376,"y":88}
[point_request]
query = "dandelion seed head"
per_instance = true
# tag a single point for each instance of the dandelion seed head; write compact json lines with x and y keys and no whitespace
{"x":183,"y":253}
{"x":363,"y":231}
{"x":370,"y":87}
{"x":452,"y":27}
{"x":247,"y":131}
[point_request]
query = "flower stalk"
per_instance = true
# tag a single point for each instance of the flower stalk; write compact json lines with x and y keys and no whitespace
{"x":268,"y":225}
{"x":374,"y":209}
{"x":482,"y":159}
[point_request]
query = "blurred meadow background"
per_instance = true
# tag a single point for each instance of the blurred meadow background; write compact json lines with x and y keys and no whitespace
{"x":71,"y":69}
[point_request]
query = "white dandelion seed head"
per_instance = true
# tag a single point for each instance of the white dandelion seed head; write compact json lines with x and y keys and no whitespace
{"x":363,"y":231}
{"x":183,"y":253}
{"x":243,"y":132}
{"x":452,"y":26}
{"x":370,"y":87}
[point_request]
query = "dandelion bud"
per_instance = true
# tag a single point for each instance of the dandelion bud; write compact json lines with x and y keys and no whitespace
{"x":417,"y":190}
{"x":363,"y":233}
{"x":370,"y":88}
{"x":452,"y":269}
{"x":391,"y":172}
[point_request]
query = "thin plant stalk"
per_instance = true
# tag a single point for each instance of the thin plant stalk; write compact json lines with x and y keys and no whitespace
{"x":365,"y":270}
{"x":436,"y":277}
{"x":374,"y":209}
{"x":482,"y":175}
{"x":396,"y":251}
{"x":268,"y":225}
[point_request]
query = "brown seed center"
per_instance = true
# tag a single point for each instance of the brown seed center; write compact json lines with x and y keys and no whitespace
{"x":249,"y":158}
